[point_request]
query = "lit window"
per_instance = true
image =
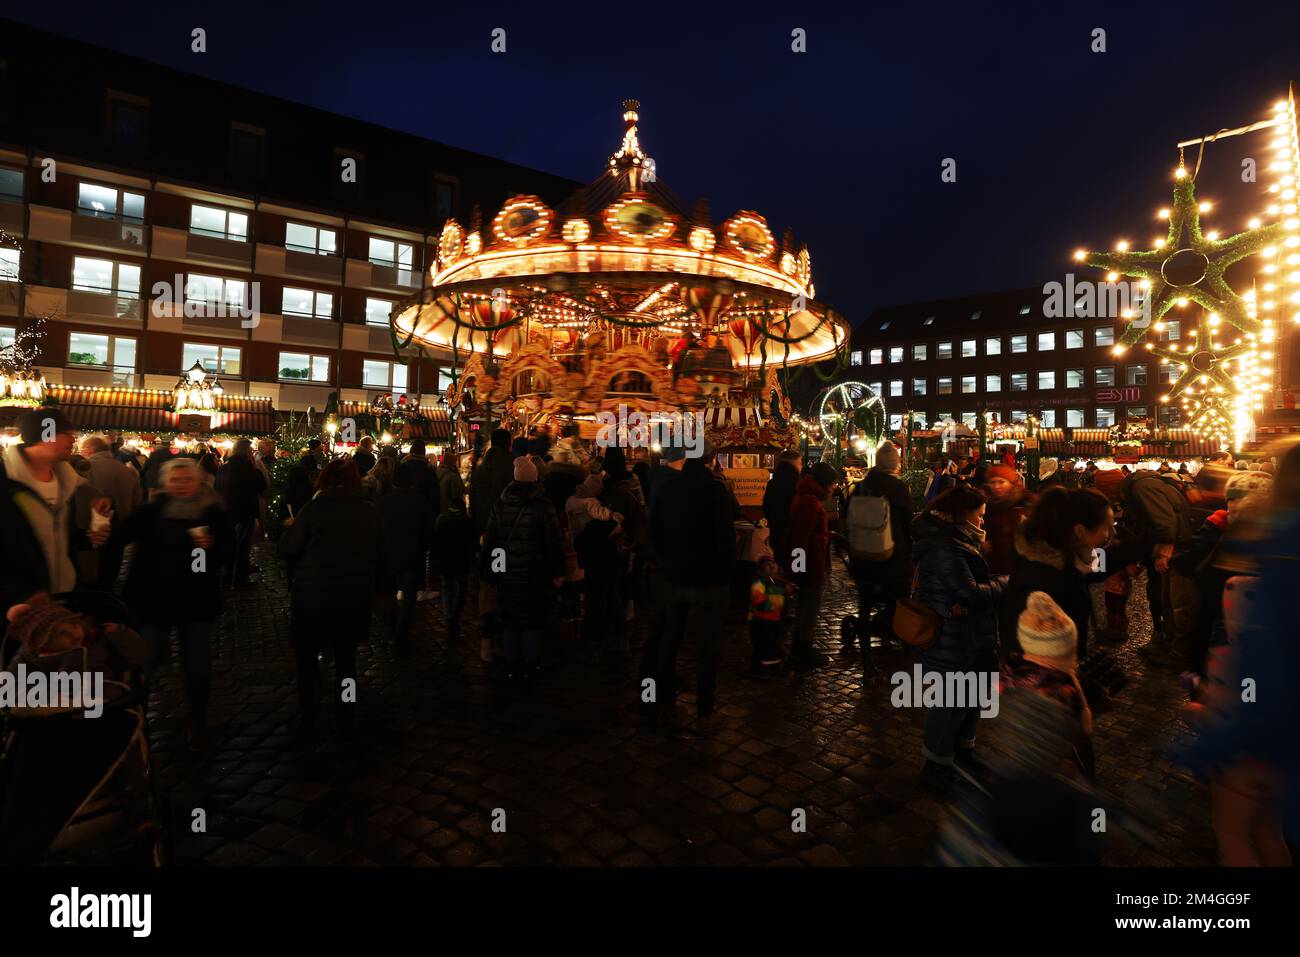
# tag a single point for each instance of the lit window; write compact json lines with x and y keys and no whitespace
{"x":895,"y":422}
{"x":106,"y":276}
{"x":993,"y":382}
{"x":877,"y":388}
{"x":215,"y":290}
{"x":1020,"y":382}
{"x":929,"y":321}
{"x":115,"y":353}
{"x":1046,"y":341}
{"x":1103,"y":336}
{"x":918,"y":387}
{"x":1025,"y":310}
{"x":309,"y":239}
{"x":1046,"y":381}
{"x":993,"y":346}
{"x":105,"y":202}
{"x":1136,"y":412}
{"x":9,"y":265}
{"x":1074,"y":378}
{"x":1019,"y":343}
{"x":969,"y":384}
{"x":969,"y":420}
{"x":1135,"y":375}
{"x":306,"y":302}
{"x":301,"y":367}
{"x":895,"y":387}
{"x":1173,"y":330}
{"x":220,"y":223}
{"x":1074,"y":418}
{"x":378,"y":312}
{"x":11,"y":185}
{"x":945,"y":350}
{"x":1019,"y":416}
{"x":896,"y":354}
{"x":383,"y":375}
{"x":1168,"y":373}
{"x":215,"y":359}
{"x":876,"y":357}
{"x":1103,"y":375}
{"x":945,"y":385}
{"x":1105,"y":417}
{"x":918,"y":352}
{"x":1074,"y":338}
{"x":968,"y":348}
{"x":387,"y":252}
{"x":855,"y":357}
{"x":1048,"y":419}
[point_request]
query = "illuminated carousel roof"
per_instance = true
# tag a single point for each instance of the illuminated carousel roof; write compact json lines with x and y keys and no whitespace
{"x":623,"y":251}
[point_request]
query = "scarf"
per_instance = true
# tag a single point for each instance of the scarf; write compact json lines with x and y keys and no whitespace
{"x":1070,"y":665}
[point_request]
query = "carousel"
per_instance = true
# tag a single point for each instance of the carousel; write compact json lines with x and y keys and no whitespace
{"x":621,"y":300}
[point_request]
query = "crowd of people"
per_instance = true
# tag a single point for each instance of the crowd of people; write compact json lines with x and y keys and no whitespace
{"x":550,"y":534}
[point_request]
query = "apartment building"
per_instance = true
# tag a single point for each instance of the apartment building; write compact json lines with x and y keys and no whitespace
{"x":950,"y":358}
{"x":166,"y":219}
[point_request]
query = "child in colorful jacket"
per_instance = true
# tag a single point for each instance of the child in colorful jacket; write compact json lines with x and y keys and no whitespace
{"x":769,"y":609}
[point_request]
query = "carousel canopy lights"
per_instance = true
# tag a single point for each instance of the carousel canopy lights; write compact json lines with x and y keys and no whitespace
{"x":589,"y":264}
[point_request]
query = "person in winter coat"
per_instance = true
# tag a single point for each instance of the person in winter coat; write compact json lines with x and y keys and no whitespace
{"x":335,"y":558}
{"x":490,"y":478}
{"x":240,"y":484}
{"x":1047,"y":664}
{"x":523,"y":552}
{"x":808,"y":547}
{"x":119,"y":482}
{"x":954,"y":581}
{"x":183,"y":538}
{"x":451,"y":487}
{"x":1213,"y":555}
{"x":776,"y":502}
{"x":456,"y":544}
{"x":1009,"y":505}
{"x":622,"y":492}
{"x":605,"y":621}
{"x":38,"y":514}
{"x":1063,"y":545}
{"x":364,"y":456}
{"x":694,"y":543}
{"x":890,"y":579}
{"x":1157,"y":511}
{"x":408,"y":534}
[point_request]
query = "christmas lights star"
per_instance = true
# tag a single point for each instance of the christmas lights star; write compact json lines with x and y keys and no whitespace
{"x":1188,"y":266}
{"x":1207,"y":358}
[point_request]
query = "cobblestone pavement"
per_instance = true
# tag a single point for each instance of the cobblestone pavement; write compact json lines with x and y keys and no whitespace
{"x":439,"y":746}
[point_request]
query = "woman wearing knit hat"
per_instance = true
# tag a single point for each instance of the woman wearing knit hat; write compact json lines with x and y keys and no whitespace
{"x":1048,"y":665}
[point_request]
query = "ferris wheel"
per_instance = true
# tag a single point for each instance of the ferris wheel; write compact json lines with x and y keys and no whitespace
{"x":849,"y":411}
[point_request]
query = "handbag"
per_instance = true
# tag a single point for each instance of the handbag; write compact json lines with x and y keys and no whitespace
{"x":916,"y":623}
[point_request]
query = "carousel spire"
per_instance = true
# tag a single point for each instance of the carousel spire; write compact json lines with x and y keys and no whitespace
{"x":629,"y":158}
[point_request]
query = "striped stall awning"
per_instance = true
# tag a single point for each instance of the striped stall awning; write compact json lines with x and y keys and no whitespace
{"x":1091,"y":441}
{"x":118,"y":409}
{"x":1052,"y":441}
{"x":1188,"y":443}
{"x":732,"y":417}
{"x":432,"y":424}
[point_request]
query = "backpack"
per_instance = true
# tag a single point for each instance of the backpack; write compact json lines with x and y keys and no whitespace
{"x":871,"y":535}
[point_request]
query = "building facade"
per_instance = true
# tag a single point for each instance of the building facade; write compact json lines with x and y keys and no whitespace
{"x":949,"y":359}
{"x":157,"y":219}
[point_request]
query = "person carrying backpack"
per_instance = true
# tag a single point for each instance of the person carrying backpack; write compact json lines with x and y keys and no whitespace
{"x":878,"y":524}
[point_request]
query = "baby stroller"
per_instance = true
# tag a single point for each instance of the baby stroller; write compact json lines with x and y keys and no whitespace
{"x":76,"y":787}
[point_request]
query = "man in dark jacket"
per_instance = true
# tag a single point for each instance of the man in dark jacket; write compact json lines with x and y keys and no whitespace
{"x":240,"y":484}
{"x":891,"y":579}
{"x":490,"y":479}
{"x":364,"y":456}
{"x":694,"y":542}
{"x":807,"y":556}
{"x":408,"y":533}
{"x":424,"y":480}
{"x":777,"y":498}
{"x":1156,"y":511}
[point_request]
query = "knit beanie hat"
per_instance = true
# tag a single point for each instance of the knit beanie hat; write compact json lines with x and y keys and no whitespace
{"x":1044,"y":629}
{"x":525,"y":470}
{"x":1003,"y":472}
{"x":35,"y":625}
{"x":1248,"y":485}
{"x":887,"y":457}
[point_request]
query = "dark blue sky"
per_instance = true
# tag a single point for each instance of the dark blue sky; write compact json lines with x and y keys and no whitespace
{"x":1056,"y":146}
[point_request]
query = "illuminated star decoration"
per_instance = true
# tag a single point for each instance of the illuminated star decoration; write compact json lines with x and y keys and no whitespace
{"x":1187,"y":266}
{"x":1206,"y":358}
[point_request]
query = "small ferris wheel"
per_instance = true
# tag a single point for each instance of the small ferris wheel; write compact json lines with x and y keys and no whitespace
{"x":849,"y":411}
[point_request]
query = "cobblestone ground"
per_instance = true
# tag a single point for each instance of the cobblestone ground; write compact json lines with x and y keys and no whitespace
{"x":440,"y":745}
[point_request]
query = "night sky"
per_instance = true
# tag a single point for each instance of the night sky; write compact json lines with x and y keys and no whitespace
{"x":1057,"y":147}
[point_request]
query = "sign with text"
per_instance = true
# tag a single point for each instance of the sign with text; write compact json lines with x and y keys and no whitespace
{"x":749,"y":484}
{"x":1127,"y":394}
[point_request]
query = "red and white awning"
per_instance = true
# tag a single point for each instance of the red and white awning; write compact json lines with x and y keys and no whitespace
{"x":732,"y":417}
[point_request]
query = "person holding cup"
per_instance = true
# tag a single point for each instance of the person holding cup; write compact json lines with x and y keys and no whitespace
{"x":183,"y":537}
